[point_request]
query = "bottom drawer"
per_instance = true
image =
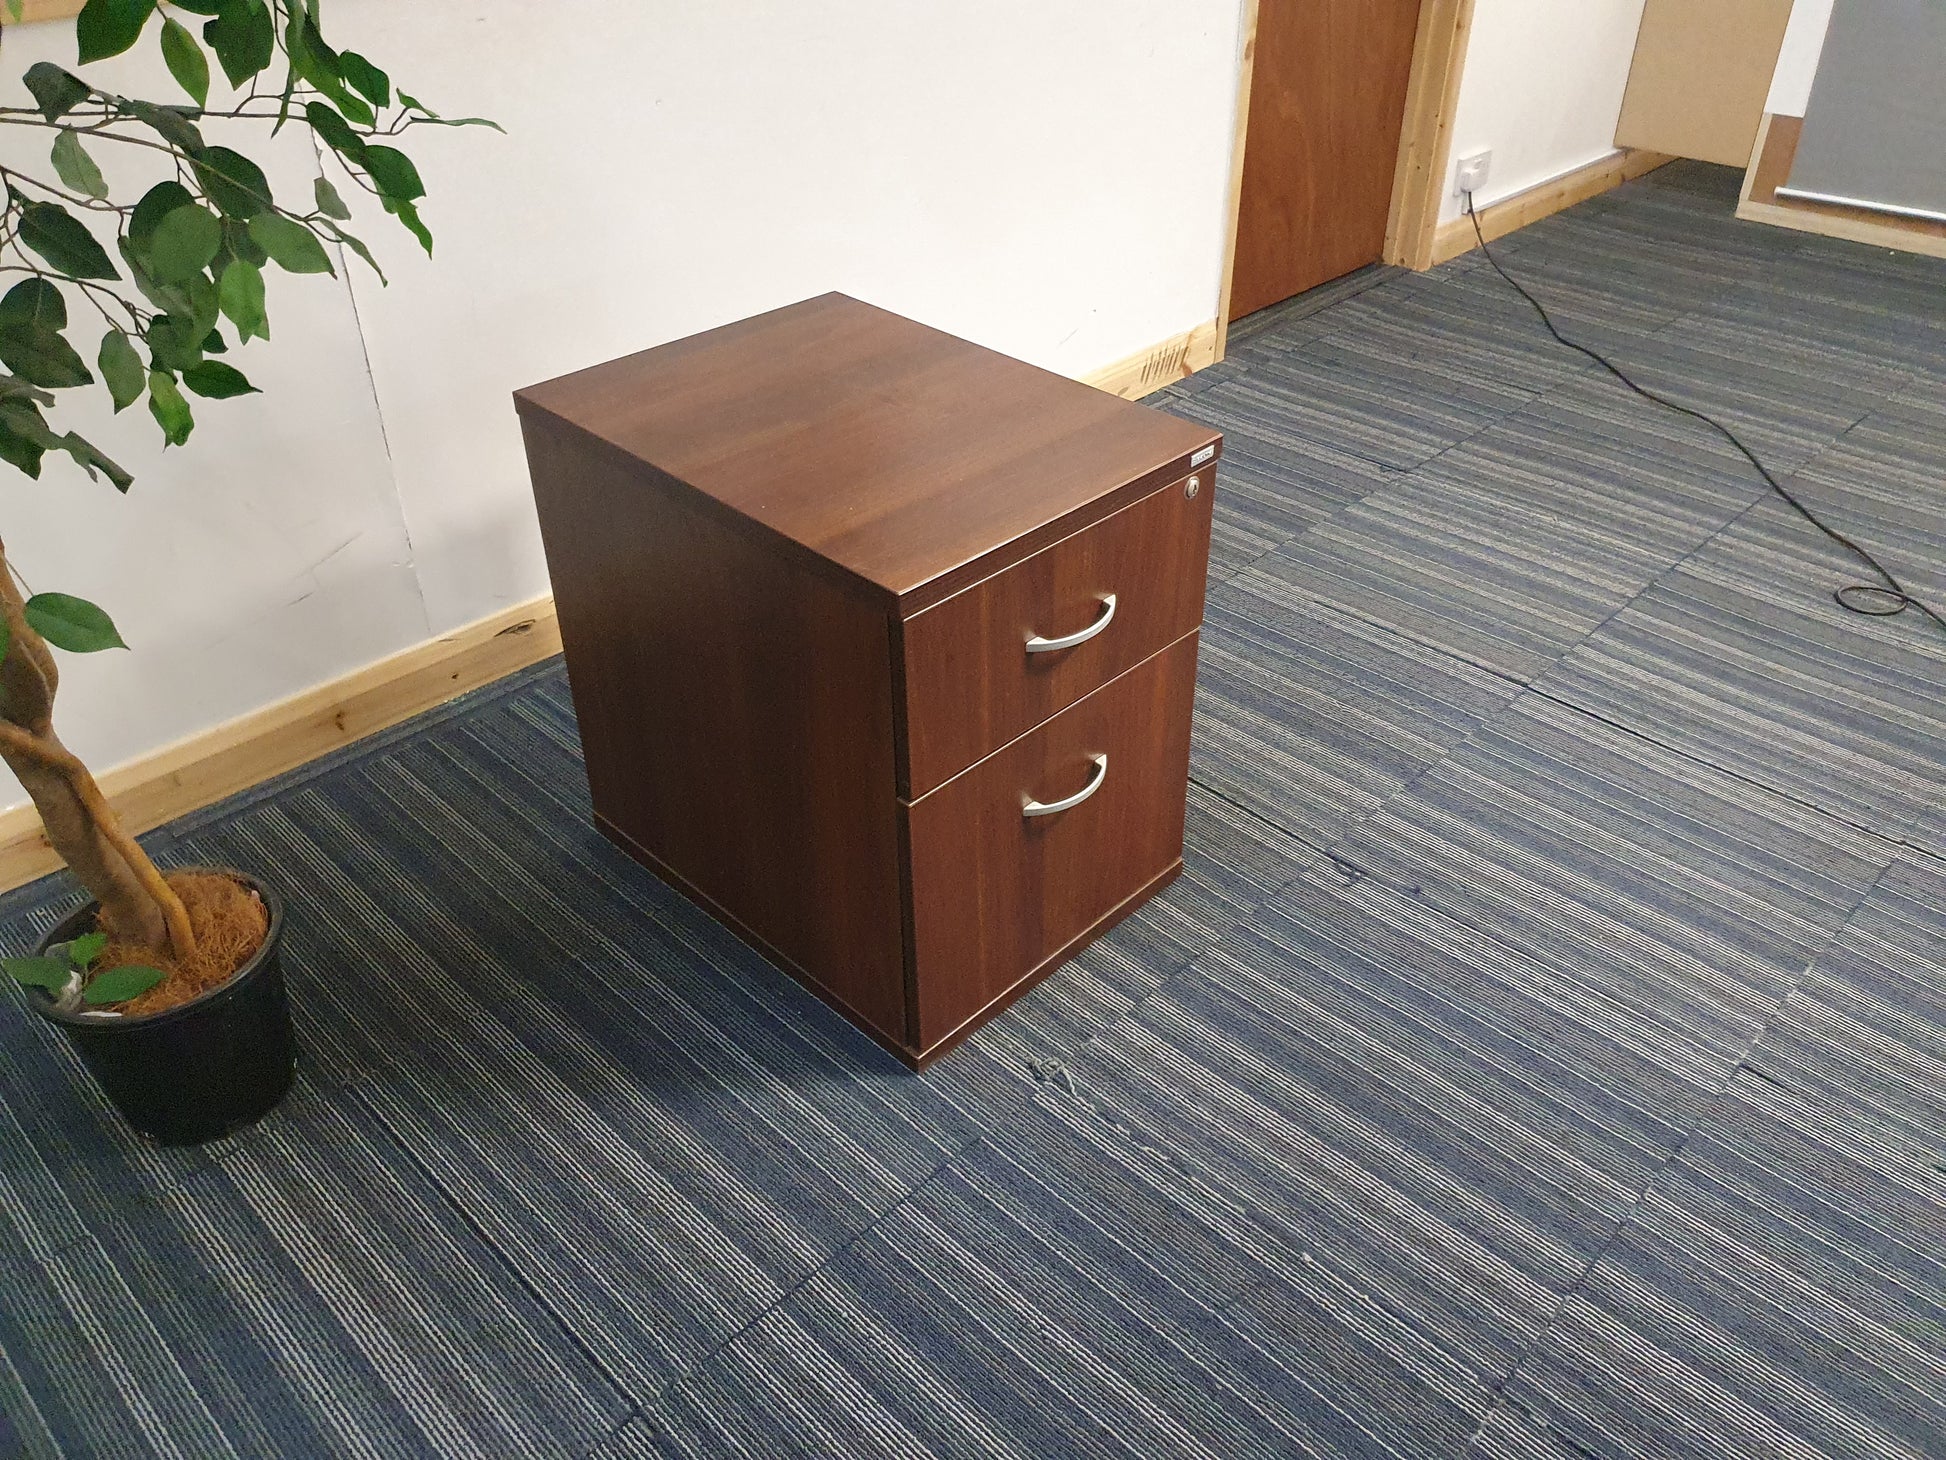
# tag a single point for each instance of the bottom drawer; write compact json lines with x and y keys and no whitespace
{"x":996,"y":891}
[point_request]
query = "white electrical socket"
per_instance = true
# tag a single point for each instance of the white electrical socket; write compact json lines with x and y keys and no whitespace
{"x":1472,"y":174}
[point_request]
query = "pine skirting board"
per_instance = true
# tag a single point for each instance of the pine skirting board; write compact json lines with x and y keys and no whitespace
{"x":204,"y":768}
{"x":1164,"y":364}
{"x":1455,"y":236}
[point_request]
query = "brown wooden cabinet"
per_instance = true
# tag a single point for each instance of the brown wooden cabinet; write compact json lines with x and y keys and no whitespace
{"x":853,"y":611}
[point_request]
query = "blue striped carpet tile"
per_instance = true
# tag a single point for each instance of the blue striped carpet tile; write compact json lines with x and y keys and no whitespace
{"x":1856,"y":292}
{"x":1271,"y":485}
{"x":1784,"y":417}
{"x":636,"y":1440}
{"x":1470,"y":322}
{"x":311,"y":1294}
{"x":1781,"y":320}
{"x":1233,"y":862}
{"x":1611,"y":273}
{"x":1686,"y":213}
{"x":1536,"y":473}
{"x":1393,"y":411}
{"x":1869,"y":287}
{"x":1740,"y":658}
{"x":1510,"y":1433}
{"x":1311,"y":718}
{"x":1448,"y":560}
{"x":1884,"y":486}
{"x":1059,"y":1290}
{"x":1478,"y":300}
{"x":1864,"y":1032}
{"x":1290,"y":325}
{"x":1634,"y":469}
{"x":1443,"y":1129}
{"x":1782,"y":1289}
{"x":1276,"y":320}
{"x":658,"y":1131}
{"x":1685,"y":894}
{"x":1928,"y":834}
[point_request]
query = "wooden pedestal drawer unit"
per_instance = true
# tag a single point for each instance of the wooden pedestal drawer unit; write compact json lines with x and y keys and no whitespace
{"x":883,"y":646}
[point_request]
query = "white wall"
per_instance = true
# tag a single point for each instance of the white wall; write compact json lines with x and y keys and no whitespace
{"x":1542,"y":89}
{"x":1797,"y":62}
{"x":1047,"y":179}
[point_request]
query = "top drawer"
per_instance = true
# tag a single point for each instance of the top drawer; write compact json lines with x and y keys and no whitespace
{"x":996,"y":659}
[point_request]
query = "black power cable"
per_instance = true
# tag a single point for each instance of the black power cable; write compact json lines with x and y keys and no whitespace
{"x":1875,"y":600}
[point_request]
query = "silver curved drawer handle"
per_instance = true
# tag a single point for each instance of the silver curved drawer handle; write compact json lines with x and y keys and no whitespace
{"x":1048,"y":808}
{"x":1038,"y":645}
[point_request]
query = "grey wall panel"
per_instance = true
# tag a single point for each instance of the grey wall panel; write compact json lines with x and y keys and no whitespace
{"x":1875,"y":129}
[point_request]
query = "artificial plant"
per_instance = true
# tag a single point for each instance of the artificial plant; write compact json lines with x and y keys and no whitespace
{"x":173,"y":279}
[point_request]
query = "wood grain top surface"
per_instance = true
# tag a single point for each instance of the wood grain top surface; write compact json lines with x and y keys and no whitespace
{"x":893,"y":450}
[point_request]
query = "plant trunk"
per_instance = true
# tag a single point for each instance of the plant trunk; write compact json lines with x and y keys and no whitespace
{"x":136,"y":903}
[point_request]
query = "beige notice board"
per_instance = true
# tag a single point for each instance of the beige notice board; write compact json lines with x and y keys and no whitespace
{"x":1701,"y":74}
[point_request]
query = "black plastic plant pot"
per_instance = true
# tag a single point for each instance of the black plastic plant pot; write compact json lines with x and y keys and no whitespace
{"x":200,"y":1070}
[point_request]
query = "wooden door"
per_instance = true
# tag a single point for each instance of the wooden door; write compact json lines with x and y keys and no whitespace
{"x":1327,"y":100}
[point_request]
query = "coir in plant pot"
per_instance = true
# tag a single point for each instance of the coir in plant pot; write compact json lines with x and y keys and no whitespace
{"x":201,"y":1069}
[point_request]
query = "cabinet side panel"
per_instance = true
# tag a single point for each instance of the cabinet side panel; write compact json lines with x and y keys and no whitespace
{"x":736,"y":718}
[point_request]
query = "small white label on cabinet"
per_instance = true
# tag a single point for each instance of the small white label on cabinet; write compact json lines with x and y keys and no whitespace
{"x":1206,"y":454}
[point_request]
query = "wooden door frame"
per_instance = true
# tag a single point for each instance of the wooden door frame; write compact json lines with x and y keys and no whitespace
{"x":1425,"y":139}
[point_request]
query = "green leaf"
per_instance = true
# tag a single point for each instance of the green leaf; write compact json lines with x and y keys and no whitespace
{"x":157,"y":203}
{"x":186,"y":60}
{"x":34,"y":301}
{"x":92,"y":460}
{"x":184,"y":244}
{"x":41,"y":355}
{"x":26,"y":422}
{"x":213,"y":343}
{"x":217,"y":381}
{"x":176,"y":342}
{"x":119,"y":985}
{"x":329,"y":202}
{"x":241,"y":295}
{"x":76,"y":168}
{"x":295,"y":248}
{"x":109,"y":27}
{"x":172,"y":123}
{"x":407,"y":214}
{"x":56,"y":91}
{"x":170,"y":410}
{"x":323,"y":67}
{"x":122,"y":369}
{"x":51,"y":974}
{"x":71,"y":623}
{"x":335,"y":130}
{"x":64,"y":241}
{"x":237,"y":243}
{"x":18,"y":452}
{"x":6,"y":639}
{"x":196,"y":305}
{"x":234,"y":183}
{"x":394,"y":173}
{"x":357,"y":246}
{"x":370,"y":82}
{"x":244,"y":37}
{"x":12,"y":389}
{"x":83,"y":950}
